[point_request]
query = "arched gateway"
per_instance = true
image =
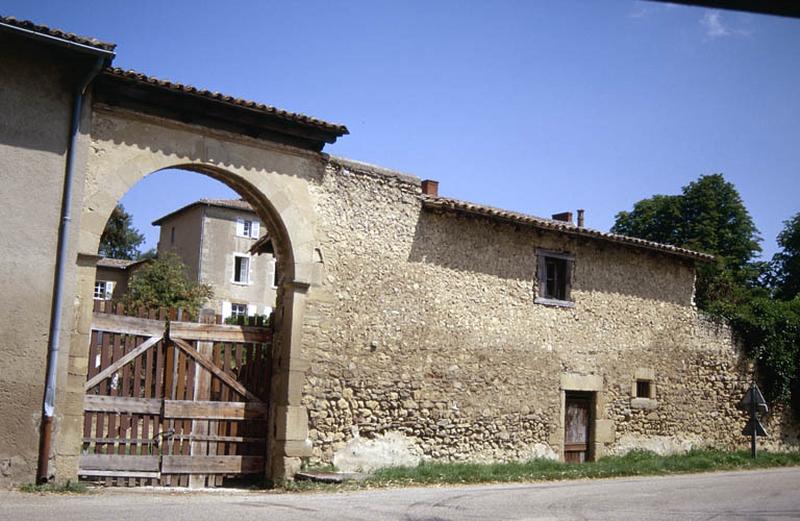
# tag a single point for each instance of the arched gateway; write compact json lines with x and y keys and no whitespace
{"x":139,"y":126}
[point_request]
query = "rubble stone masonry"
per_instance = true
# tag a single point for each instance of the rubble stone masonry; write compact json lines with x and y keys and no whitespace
{"x":425,"y":327}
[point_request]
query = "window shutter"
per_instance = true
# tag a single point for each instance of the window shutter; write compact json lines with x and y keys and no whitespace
{"x":240,"y":227}
{"x":542,"y":277}
{"x":249,"y":271}
{"x":271,"y":272}
{"x":226,"y":309}
{"x":251,"y":310}
{"x":568,"y":281}
{"x":256,"y":230}
{"x":109,"y":289}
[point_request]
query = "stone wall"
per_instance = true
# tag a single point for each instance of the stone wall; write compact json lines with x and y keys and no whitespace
{"x":425,"y":326}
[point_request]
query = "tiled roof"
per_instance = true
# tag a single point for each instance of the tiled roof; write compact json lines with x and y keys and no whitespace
{"x":233,"y":204}
{"x":236,"y":204}
{"x":57,"y":33}
{"x":107,"y":262}
{"x":454,"y":205}
{"x":336,"y":128}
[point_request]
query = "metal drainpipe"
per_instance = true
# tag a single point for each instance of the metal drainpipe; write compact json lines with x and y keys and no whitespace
{"x":49,"y":401}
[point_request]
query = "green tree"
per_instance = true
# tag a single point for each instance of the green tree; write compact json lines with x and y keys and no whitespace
{"x":120,"y":240}
{"x":708,"y":216}
{"x":164,"y":282}
{"x":657,"y":219}
{"x":770,"y":330}
{"x":786,"y":263}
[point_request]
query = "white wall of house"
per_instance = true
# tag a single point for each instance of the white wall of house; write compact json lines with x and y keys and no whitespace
{"x":217,"y":242}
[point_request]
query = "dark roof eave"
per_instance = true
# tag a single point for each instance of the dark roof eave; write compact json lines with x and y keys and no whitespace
{"x":463,"y":207}
{"x":51,"y":36}
{"x":186,"y":103}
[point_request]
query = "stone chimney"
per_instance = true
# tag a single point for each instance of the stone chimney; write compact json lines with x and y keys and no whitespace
{"x":563,"y":216}
{"x":581,"y":220}
{"x":430,"y":187}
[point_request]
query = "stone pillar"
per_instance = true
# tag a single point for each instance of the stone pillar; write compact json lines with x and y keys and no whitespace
{"x":288,"y":425}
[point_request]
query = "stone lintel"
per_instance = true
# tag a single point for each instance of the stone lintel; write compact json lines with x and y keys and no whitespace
{"x":644,"y":403}
{"x":580,"y":382}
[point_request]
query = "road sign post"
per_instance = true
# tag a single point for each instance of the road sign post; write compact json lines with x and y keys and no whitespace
{"x":754,"y":402}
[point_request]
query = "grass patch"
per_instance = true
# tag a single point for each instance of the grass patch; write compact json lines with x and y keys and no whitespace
{"x":636,"y":463}
{"x":68,"y":487}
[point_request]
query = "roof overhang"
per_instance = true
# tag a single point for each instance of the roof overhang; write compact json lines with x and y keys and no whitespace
{"x":55,"y":37}
{"x":790,"y":8}
{"x":140,"y":93}
{"x":444,"y":204}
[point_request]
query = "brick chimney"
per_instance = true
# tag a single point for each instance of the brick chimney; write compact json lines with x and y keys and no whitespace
{"x":563,"y":216}
{"x":430,"y":187}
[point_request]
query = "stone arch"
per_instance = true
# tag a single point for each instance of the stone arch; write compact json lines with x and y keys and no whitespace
{"x":274,"y":180}
{"x":292,"y":228}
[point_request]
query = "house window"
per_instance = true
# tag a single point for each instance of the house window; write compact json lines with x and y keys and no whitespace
{"x":555,"y":272}
{"x":643,"y":388}
{"x":103,"y":290}
{"x":238,"y":310}
{"x":241,"y":269}
{"x":172,"y":235}
{"x":248,"y":228}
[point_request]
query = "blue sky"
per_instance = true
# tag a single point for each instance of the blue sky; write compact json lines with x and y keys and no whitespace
{"x":534,"y":106}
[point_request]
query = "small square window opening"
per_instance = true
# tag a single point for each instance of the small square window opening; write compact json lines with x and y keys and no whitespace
{"x":554,"y":276}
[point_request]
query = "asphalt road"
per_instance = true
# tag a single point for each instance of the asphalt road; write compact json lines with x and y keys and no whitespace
{"x":746,"y":495}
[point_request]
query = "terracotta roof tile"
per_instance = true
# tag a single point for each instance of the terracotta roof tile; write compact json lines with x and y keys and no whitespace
{"x":108,"y":262}
{"x":234,"y":204}
{"x":454,"y":205}
{"x":57,"y":33}
{"x":340,"y":130}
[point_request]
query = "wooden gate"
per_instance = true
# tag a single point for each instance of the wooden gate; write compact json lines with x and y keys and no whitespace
{"x":172,"y":402}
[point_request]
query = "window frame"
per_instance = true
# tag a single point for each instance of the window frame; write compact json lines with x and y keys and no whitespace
{"x":248,"y":280}
{"x":242,"y":307}
{"x":248,"y":228}
{"x":541,"y":278}
{"x":107,"y":292}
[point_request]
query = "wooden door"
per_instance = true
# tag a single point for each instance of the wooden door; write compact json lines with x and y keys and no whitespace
{"x":577,"y":417}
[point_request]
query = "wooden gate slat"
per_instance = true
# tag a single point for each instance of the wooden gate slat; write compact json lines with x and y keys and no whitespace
{"x":215,"y":410}
{"x":121,"y":405}
{"x":212,"y":464}
{"x":126,"y":325}
{"x":118,"y":462}
{"x":119,"y":474}
{"x":219,"y":332}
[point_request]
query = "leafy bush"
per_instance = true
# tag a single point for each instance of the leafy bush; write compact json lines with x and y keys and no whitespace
{"x":164,"y":282}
